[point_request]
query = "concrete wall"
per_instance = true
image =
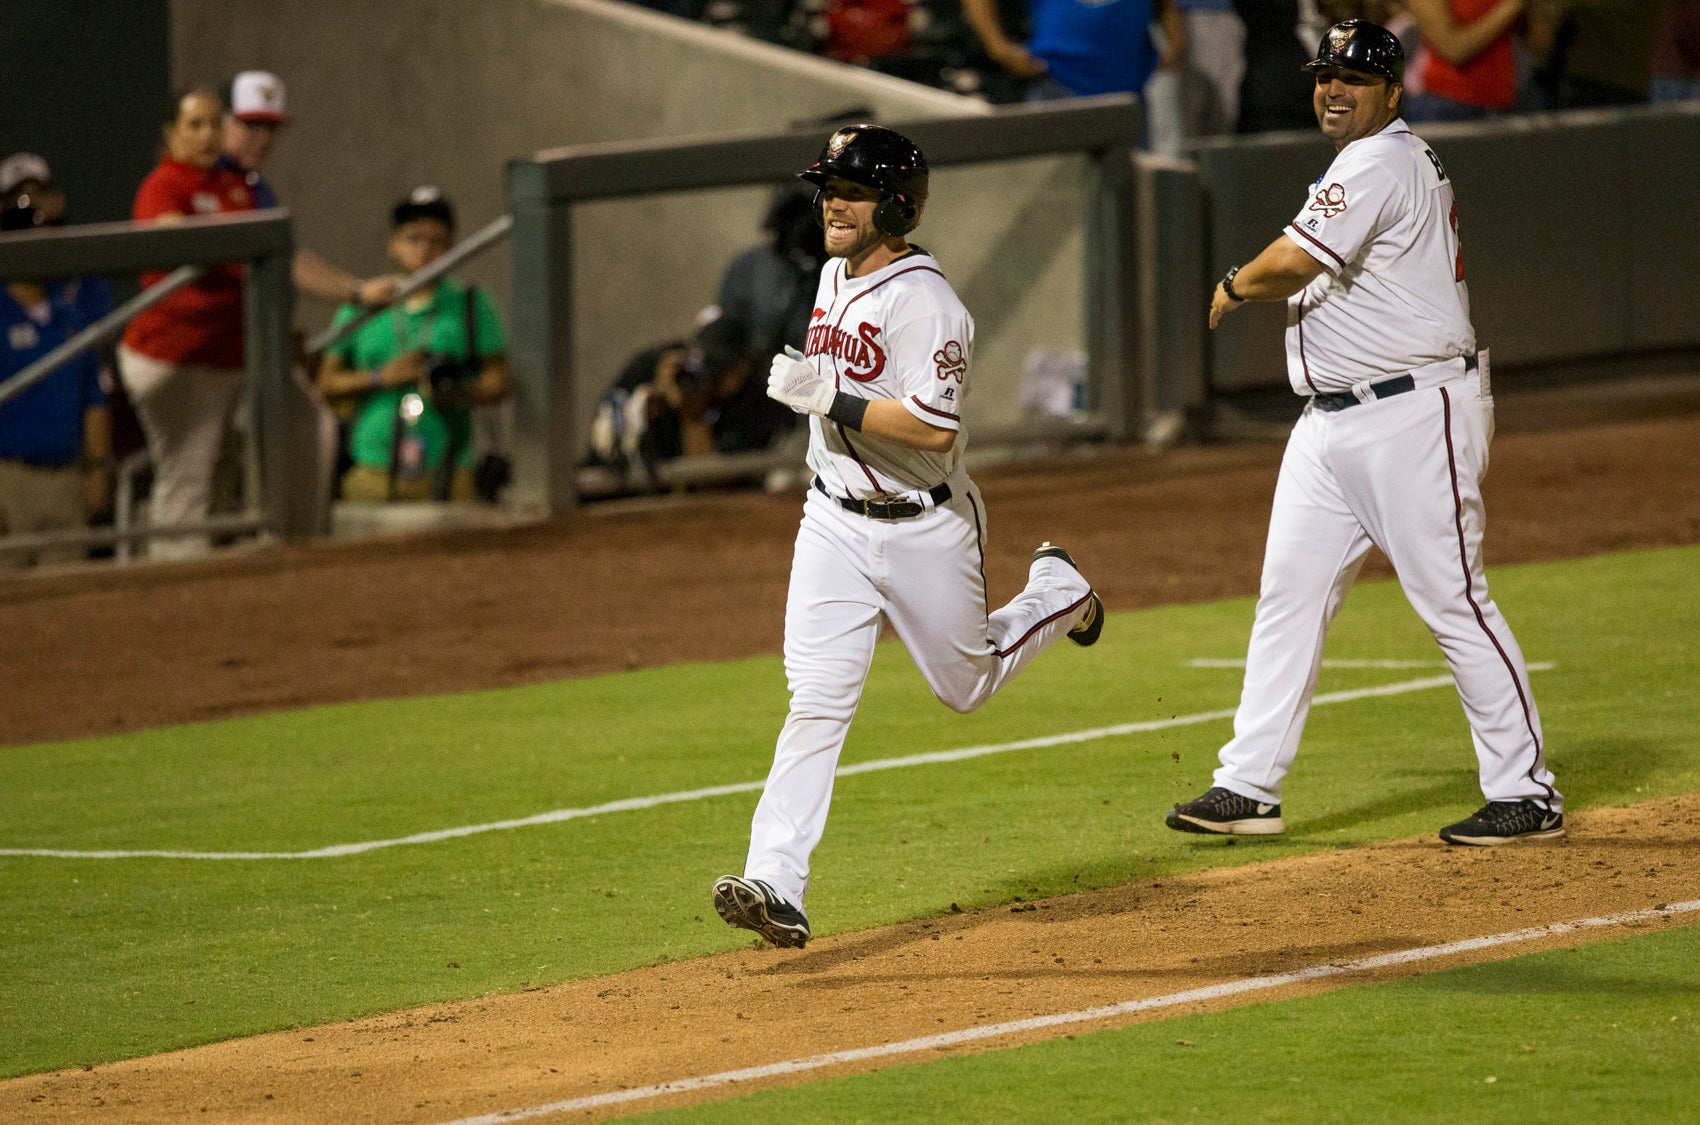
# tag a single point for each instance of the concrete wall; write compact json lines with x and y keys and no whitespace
{"x":388,"y":94}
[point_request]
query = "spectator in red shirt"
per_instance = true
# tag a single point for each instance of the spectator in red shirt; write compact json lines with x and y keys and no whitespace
{"x":181,"y":360}
{"x":1469,"y":67}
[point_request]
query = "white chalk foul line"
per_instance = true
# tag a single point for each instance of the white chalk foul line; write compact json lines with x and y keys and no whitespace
{"x":631,"y":804}
{"x":1085,"y":1015}
{"x":1220,"y":662}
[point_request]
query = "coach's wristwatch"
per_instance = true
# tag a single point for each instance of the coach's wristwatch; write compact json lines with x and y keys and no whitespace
{"x":1228,"y":285}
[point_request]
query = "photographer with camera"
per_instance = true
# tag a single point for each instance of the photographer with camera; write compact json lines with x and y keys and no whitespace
{"x":685,"y":399}
{"x":415,"y":373}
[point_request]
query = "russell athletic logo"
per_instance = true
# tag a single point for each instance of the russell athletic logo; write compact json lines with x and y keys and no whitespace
{"x":1331,"y":200}
{"x":859,"y":353}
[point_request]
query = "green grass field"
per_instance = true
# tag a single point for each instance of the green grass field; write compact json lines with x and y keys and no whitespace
{"x":103,"y":959}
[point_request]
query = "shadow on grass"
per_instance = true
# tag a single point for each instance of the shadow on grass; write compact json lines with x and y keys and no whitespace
{"x":1550,"y":976}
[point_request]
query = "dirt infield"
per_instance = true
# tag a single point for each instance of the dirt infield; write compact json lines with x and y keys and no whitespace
{"x":704,"y":579}
{"x":613,"y":588}
{"x":762,"y":1006}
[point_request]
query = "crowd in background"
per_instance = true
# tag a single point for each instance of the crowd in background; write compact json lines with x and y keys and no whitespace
{"x":398,"y":391}
{"x":1224,"y":66}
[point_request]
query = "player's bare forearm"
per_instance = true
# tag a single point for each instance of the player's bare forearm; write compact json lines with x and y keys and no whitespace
{"x":1459,"y":43}
{"x":982,"y":17}
{"x":1274,"y":275}
{"x":888,"y":420}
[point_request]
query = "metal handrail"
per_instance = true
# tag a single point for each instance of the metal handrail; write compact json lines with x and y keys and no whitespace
{"x":102,"y":330}
{"x":474,"y":244}
{"x":108,"y":536}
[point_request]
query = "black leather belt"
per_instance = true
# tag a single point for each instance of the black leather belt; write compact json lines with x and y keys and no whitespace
{"x":1386,"y":388}
{"x":887,"y":509}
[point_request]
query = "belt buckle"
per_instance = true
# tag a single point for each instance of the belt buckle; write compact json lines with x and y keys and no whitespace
{"x":893,"y":509}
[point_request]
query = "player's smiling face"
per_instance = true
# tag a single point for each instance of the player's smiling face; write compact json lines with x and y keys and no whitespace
{"x":848,"y":210}
{"x":1351,"y":105}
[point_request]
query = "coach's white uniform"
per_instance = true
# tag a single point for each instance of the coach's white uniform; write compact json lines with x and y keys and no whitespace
{"x":898,"y":333}
{"x":1399,"y":466}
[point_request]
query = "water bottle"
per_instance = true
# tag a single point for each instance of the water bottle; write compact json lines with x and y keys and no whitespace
{"x":410,"y":438}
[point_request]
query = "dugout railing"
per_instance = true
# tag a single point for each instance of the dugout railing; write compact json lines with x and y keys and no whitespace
{"x":282,"y":425}
{"x":552,"y":432}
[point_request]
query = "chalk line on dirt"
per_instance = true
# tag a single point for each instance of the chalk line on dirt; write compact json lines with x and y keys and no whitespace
{"x":1085,"y":1015}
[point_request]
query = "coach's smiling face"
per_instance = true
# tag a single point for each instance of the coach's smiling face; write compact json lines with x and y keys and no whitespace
{"x":1351,"y":105}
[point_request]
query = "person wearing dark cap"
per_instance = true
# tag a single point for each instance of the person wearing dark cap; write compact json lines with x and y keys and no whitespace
{"x":1389,"y":452}
{"x":55,"y":437}
{"x":254,"y":114}
{"x":26,"y":180}
{"x":414,"y":373}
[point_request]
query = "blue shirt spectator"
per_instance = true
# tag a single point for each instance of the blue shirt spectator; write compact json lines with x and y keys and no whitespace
{"x":1095,"y":48}
{"x":43,"y":426}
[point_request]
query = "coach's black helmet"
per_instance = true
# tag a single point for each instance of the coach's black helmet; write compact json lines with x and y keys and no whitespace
{"x":1362,"y":46}
{"x":879,"y":158}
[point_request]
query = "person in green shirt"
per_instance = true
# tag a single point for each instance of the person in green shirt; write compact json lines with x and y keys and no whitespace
{"x":414,"y":373}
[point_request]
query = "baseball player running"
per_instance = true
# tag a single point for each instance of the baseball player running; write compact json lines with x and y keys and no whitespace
{"x":893,"y":528}
{"x":1390,"y":450}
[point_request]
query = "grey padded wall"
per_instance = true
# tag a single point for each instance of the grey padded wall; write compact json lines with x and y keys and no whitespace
{"x":1538,"y":211}
{"x":1663,"y":206}
{"x":1573,"y":227}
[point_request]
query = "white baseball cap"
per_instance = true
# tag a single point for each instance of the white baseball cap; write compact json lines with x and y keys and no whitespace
{"x":257,"y":95}
{"x":22,"y":167}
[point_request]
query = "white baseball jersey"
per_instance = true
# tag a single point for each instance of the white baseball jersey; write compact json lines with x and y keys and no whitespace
{"x":899,"y":332}
{"x":1391,"y":299}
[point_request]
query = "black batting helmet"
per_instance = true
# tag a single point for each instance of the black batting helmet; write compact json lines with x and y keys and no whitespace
{"x":879,"y":158}
{"x":1362,"y":46}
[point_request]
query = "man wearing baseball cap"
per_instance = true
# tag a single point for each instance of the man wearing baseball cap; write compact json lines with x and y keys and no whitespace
{"x":26,"y":182}
{"x":55,"y":437}
{"x":255,"y":112}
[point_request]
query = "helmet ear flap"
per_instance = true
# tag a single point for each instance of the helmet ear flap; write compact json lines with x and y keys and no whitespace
{"x":896,"y":215}
{"x":820,"y":212}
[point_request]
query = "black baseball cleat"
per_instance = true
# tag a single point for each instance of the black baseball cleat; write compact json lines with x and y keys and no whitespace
{"x":1223,"y":812}
{"x":751,"y":904}
{"x":1086,"y":633}
{"x":1505,"y":822}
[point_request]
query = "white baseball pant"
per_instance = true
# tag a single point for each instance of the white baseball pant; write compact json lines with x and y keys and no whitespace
{"x":849,"y":575}
{"x":1402,"y":473}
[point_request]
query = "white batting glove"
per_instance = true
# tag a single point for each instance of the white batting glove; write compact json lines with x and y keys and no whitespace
{"x":793,"y":381}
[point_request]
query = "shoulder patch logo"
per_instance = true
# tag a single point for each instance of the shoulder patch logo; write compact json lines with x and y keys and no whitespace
{"x":1331,"y":200}
{"x":950,"y":361}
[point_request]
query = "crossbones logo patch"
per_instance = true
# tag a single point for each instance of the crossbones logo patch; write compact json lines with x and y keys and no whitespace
{"x":1331,"y":200}
{"x":951,"y":363}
